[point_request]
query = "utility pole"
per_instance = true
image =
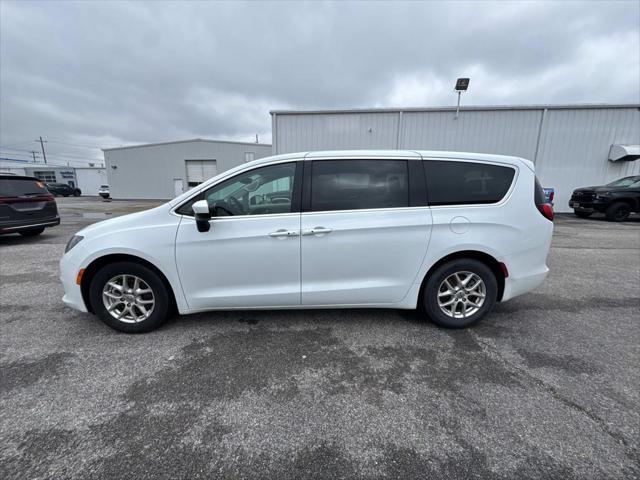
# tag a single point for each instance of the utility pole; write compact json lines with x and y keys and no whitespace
{"x":33,"y":152}
{"x":44,"y":155}
{"x":257,"y":138}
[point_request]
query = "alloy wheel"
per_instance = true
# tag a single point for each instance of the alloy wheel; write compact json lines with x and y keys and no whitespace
{"x":461,"y":294}
{"x":128,"y":298}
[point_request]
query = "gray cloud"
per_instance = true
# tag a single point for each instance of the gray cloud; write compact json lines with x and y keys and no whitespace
{"x":107,"y":73}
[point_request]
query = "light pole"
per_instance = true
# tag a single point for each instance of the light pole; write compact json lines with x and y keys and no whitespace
{"x":462,"y":84}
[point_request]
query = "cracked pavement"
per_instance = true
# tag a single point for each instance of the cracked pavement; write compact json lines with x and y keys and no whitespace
{"x":544,"y":387}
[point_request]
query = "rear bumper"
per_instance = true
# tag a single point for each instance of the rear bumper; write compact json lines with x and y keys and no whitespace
{"x":10,"y":227}
{"x":517,"y":286}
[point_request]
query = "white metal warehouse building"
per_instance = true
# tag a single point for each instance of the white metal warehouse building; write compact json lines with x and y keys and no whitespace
{"x":165,"y":170}
{"x":571,"y":145}
{"x":87,"y":179}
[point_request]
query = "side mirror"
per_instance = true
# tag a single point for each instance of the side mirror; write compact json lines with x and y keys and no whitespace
{"x":202,"y":215}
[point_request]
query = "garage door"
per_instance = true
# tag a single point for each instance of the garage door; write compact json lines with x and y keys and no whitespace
{"x":200,"y":170}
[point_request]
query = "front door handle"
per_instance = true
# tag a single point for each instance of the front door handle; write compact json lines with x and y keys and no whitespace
{"x":283,"y":232}
{"x":317,"y":231}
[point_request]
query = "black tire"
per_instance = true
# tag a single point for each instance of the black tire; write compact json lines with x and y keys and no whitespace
{"x":161,"y":308}
{"x":65,"y":195}
{"x":32,"y":232}
{"x":77,"y":192}
{"x":431,"y":288}
{"x":618,"y":212}
{"x":582,"y":214}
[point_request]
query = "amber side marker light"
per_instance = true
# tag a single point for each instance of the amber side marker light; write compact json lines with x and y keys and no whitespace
{"x":79,"y":276}
{"x":504,"y":269}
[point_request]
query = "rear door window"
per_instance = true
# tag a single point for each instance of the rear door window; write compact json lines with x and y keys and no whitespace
{"x":358,"y":184}
{"x":466,"y":183}
{"x":18,"y":187}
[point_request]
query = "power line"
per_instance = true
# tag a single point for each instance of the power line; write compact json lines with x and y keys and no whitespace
{"x":15,"y":149}
{"x":13,"y":144}
{"x":56,"y":160}
{"x":15,"y":153}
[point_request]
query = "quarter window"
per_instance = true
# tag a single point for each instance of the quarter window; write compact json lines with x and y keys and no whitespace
{"x":458,"y":183}
{"x":261,"y":191}
{"x":358,"y":184}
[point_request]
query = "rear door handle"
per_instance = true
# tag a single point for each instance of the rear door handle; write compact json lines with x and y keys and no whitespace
{"x":283,"y":232}
{"x":317,"y":231}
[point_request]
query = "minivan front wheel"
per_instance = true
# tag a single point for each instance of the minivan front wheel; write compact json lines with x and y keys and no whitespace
{"x":459,"y":293}
{"x":129,"y":297}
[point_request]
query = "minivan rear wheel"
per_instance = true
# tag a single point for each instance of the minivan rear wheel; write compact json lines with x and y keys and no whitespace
{"x":459,"y":293}
{"x":129,"y":297}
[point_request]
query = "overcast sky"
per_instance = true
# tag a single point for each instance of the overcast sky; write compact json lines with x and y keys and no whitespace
{"x":96,"y":74}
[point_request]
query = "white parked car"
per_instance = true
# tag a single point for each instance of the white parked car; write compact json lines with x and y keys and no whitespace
{"x":103,"y":191}
{"x":449,"y":233}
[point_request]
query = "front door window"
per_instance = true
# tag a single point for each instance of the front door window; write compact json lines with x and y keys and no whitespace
{"x":261,"y":191}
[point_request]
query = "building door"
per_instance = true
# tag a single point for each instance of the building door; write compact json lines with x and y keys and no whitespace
{"x":200,"y":170}
{"x":178,"y":187}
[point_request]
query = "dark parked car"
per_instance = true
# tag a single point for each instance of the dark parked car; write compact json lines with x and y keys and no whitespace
{"x":26,"y":206}
{"x":616,"y":199}
{"x":63,"y":189}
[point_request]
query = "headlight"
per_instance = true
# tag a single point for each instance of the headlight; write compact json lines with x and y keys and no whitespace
{"x":603,"y":194}
{"x":76,"y":239}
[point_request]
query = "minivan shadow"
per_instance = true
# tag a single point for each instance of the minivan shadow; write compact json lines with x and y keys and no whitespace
{"x":291,"y":317}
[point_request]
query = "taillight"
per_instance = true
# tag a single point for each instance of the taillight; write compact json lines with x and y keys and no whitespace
{"x":547,"y":210}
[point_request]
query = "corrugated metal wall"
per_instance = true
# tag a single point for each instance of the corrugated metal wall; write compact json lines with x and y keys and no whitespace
{"x":570,"y":146}
{"x":508,"y":132}
{"x":336,"y":131}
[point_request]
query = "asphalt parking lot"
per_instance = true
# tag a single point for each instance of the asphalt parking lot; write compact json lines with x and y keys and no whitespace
{"x":545,"y":387}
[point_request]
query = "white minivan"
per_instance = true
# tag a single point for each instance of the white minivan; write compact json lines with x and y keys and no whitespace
{"x":445,"y":232}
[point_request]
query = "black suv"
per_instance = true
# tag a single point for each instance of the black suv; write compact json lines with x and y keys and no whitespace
{"x":26,"y":207}
{"x":616,"y":199}
{"x":63,"y":189}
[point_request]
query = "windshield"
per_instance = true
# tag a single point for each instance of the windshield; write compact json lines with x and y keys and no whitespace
{"x":625,"y":182}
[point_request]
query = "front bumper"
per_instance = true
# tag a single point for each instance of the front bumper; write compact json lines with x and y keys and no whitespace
{"x":11,"y":227}
{"x":72,"y":291}
{"x":589,"y":206}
